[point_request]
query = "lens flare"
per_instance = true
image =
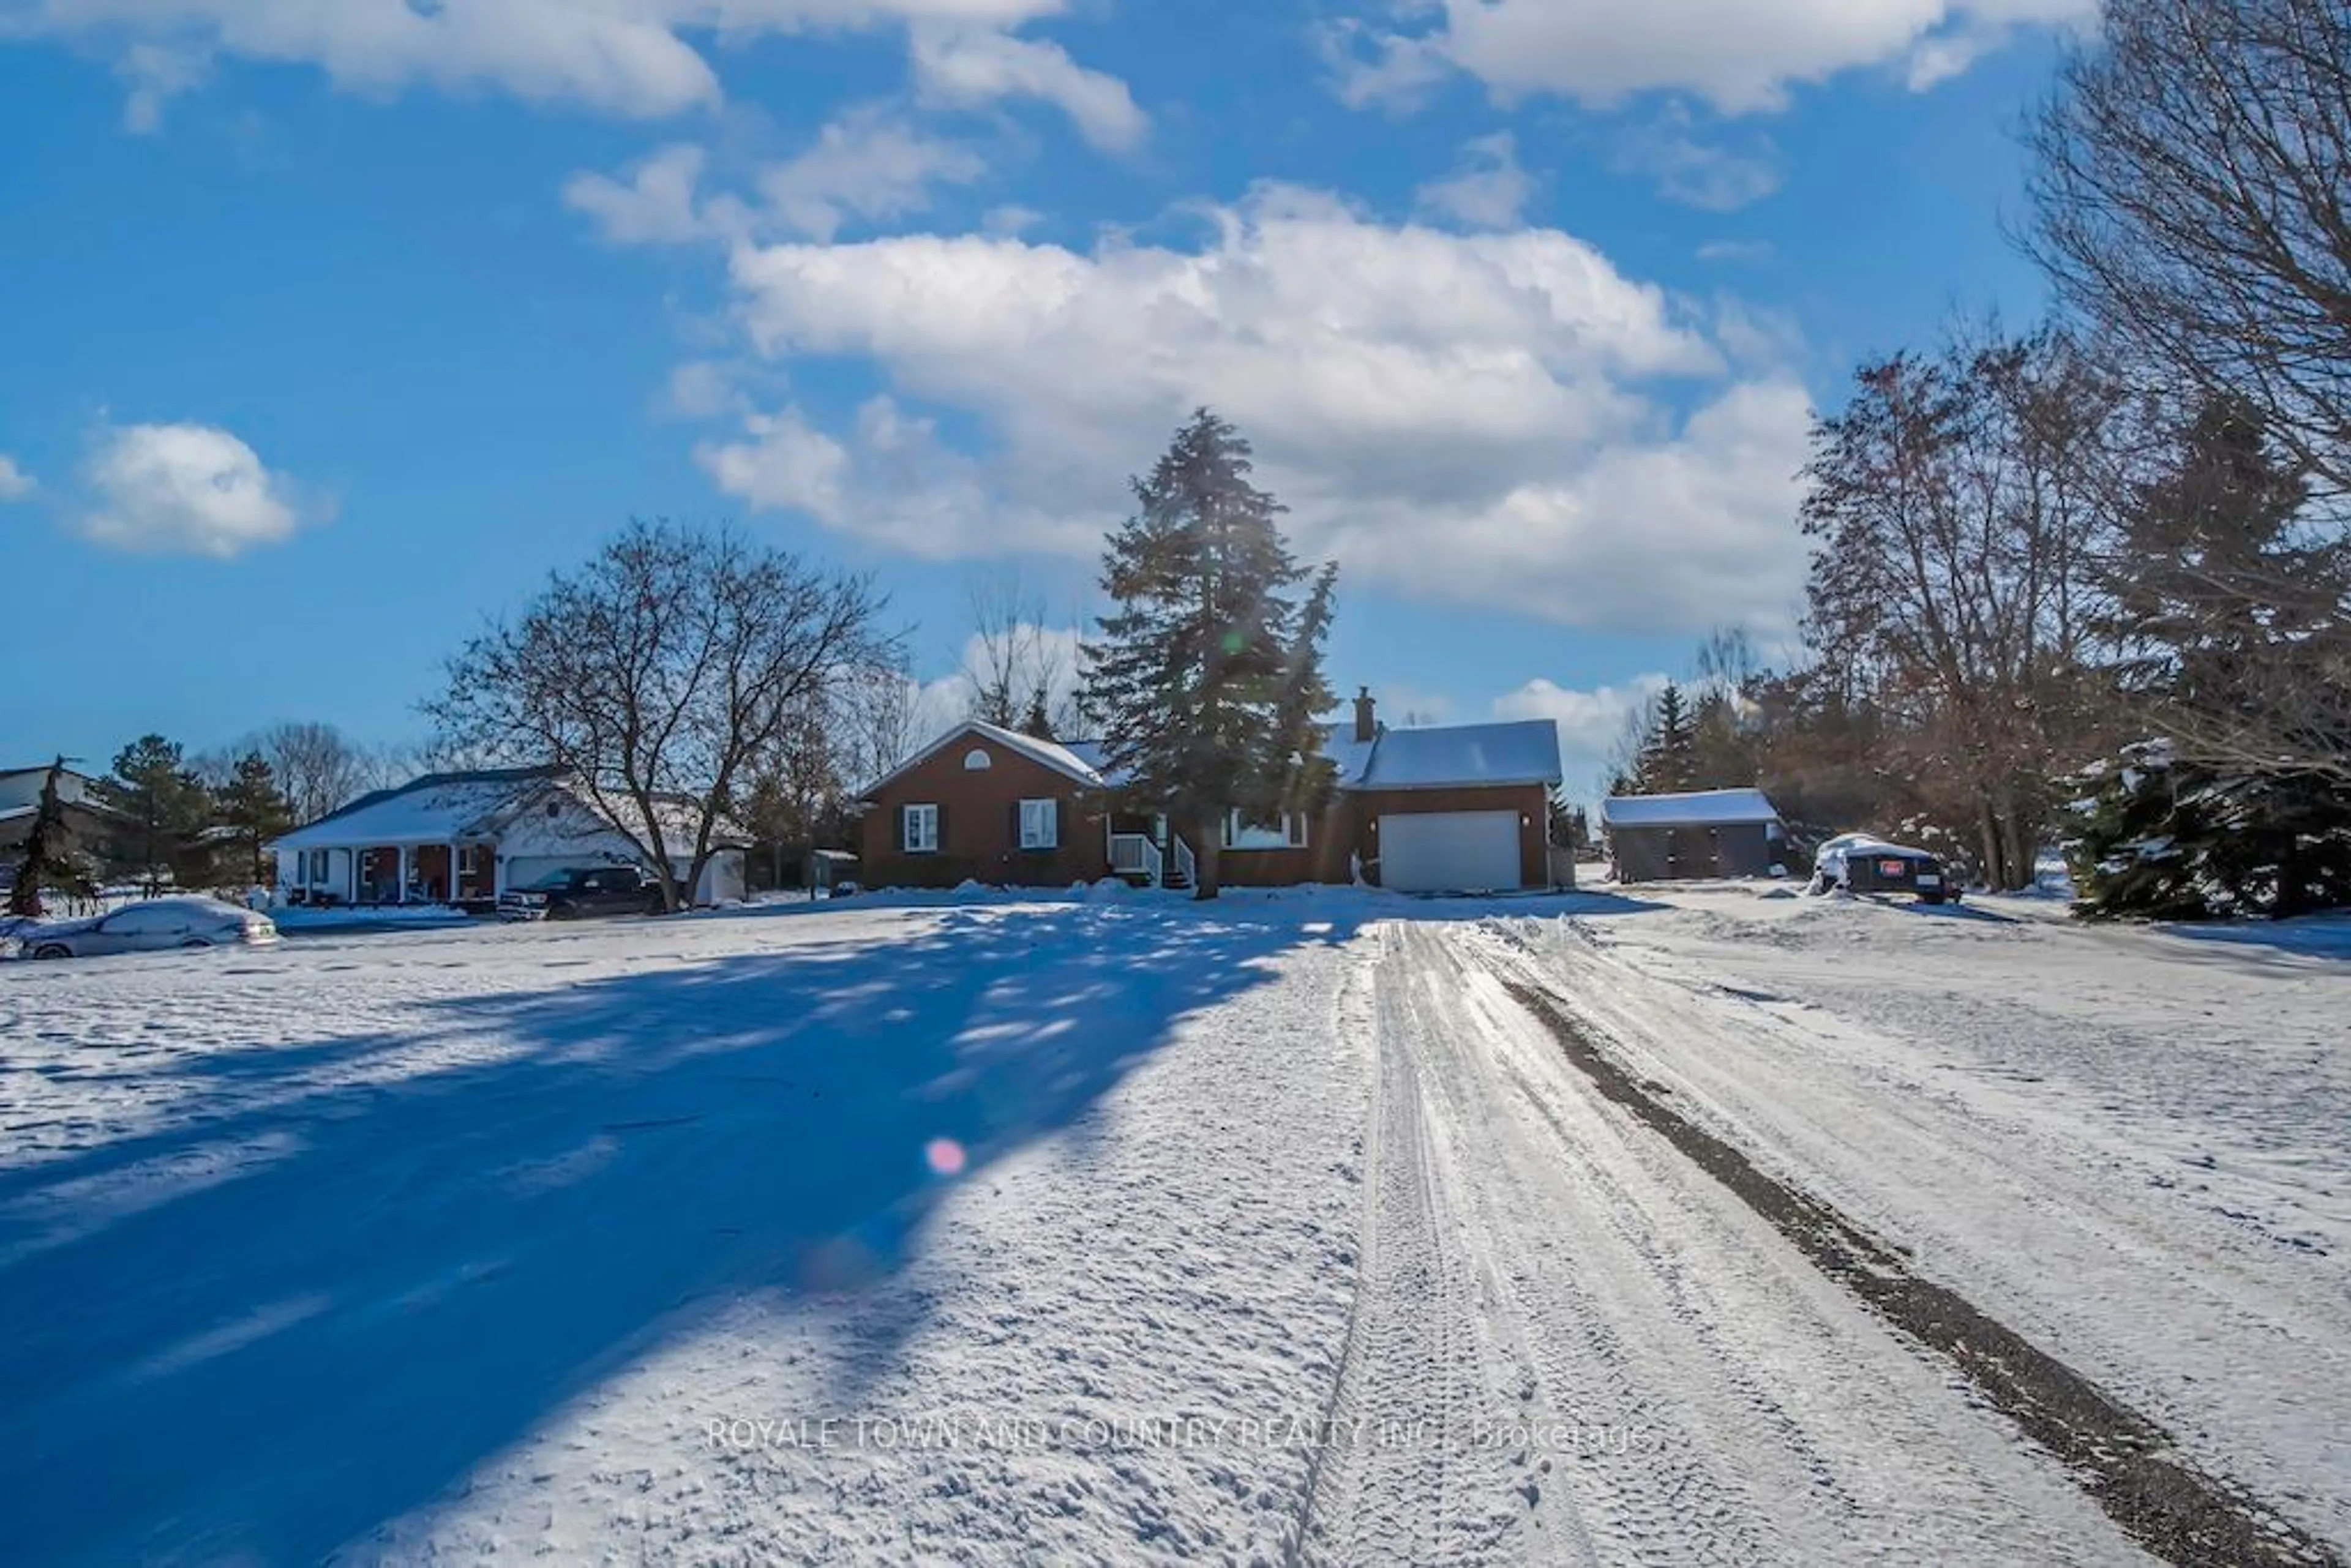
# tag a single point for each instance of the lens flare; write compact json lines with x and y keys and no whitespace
{"x":945,"y":1156}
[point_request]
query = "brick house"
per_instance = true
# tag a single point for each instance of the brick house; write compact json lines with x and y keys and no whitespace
{"x":1456,"y":808}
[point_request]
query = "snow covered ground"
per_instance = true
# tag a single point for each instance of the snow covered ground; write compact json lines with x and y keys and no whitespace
{"x":995,"y":1229}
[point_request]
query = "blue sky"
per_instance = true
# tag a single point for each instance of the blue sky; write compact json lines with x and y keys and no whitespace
{"x":329,"y":327}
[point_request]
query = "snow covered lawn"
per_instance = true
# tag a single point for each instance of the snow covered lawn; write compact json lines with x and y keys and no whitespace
{"x":1058,"y":1231}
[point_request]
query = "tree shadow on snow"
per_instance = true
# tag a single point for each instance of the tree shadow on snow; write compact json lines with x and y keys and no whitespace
{"x":2280,"y":943}
{"x":413,"y":1273}
{"x":1970,"y":914}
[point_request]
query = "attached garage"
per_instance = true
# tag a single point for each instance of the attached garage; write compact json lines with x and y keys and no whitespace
{"x":1450,"y":851}
{"x":1452,"y":809}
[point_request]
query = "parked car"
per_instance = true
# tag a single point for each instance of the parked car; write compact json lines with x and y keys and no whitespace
{"x":1860,"y":862}
{"x":148,"y":926}
{"x":581,"y":893}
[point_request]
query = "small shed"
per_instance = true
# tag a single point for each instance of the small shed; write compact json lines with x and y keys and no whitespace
{"x":826,"y":870}
{"x":1695,"y":837}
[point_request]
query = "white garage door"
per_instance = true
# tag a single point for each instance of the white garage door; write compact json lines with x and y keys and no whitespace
{"x":1450,"y":851}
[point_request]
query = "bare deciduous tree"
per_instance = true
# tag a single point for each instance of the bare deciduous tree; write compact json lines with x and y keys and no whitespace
{"x":1955,"y":513}
{"x":1019,"y":670}
{"x":316,"y":765}
{"x":873,"y":721}
{"x":659,"y":673}
{"x":2193,"y":200}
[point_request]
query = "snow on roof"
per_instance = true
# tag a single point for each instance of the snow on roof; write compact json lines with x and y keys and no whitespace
{"x":444,"y":808}
{"x":437,"y":809}
{"x":1347,"y":754}
{"x":1459,"y":755}
{"x":1094,"y":758}
{"x":1050,"y":754}
{"x":1448,"y":757}
{"x":1063,"y":759}
{"x":680,"y":819}
{"x":1706,"y":809}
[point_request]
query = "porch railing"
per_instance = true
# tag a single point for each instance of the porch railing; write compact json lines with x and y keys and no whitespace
{"x":1134,"y":854}
{"x":1187,"y":866}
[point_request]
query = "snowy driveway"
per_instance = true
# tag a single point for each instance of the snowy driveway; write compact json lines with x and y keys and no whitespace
{"x":1062,"y":1231}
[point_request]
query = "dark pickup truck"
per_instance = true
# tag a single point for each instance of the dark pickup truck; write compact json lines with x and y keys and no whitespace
{"x":1858,"y":863}
{"x":580,"y":894}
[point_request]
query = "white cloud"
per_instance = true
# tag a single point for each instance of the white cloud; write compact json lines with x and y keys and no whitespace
{"x":1698,"y":171}
{"x":1370,"y":68}
{"x":1490,"y":191}
{"x":1050,"y":652}
{"x":1011,"y":218}
{"x":656,"y":203}
{"x":867,"y":165}
{"x":187,"y":489}
{"x":783,"y":465}
{"x":626,"y":56}
{"x":1498,"y":420}
{"x":157,"y":74}
{"x":15,"y":483}
{"x":1589,"y":722}
{"x":970,"y":68}
{"x":890,"y":479}
{"x":701,"y":389}
{"x":1741,"y":56}
{"x":1406,"y":708}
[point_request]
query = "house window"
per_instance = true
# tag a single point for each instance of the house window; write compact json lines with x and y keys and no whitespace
{"x":977,"y":760}
{"x":1280,"y":830}
{"x":920,"y":831}
{"x":1040,"y":824}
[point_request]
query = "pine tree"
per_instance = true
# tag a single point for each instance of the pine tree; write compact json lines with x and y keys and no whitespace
{"x":1038,"y":721}
{"x":52,"y":857}
{"x":2208,"y":555}
{"x":1207,"y":678}
{"x":255,"y":811}
{"x":2215,"y":592}
{"x":1669,"y":760}
{"x":1571,"y":825}
{"x":1308,"y":778}
{"x":163,"y":806}
{"x":2160,"y":837}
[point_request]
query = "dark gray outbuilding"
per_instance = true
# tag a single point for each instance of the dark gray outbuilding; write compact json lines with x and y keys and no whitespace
{"x":1693,"y":838}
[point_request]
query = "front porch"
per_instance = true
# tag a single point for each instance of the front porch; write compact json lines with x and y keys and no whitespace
{"x":1145,"y":850}
{"x":466,"y":876}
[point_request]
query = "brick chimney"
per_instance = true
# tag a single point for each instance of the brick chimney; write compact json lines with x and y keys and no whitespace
{"x":1367,"y":717}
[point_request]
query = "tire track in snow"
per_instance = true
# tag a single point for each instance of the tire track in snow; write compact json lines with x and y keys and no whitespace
{"x":2124,"y":1461}
{"x":1387,"y":1483}
{"x":2033,"y":1209}
{"x":1530,"y":1259}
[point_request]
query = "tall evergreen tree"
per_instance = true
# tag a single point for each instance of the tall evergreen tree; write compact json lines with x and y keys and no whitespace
{"x":1038,"y":721}
{"x":2217,"y":590}
{"x":52,"y":859}
{"x":2210,"y":574}
{"x":2157,"y":836}
{"x":1208,"y":677}
{"x":164,"y":807}
{"x":255,"y":810}
{"x":1669,"y":760}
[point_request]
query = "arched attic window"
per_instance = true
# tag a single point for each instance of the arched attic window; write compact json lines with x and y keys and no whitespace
{"x":977,"y":760}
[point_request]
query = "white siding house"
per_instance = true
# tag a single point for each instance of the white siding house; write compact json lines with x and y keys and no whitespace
{"x":466,"y":839}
